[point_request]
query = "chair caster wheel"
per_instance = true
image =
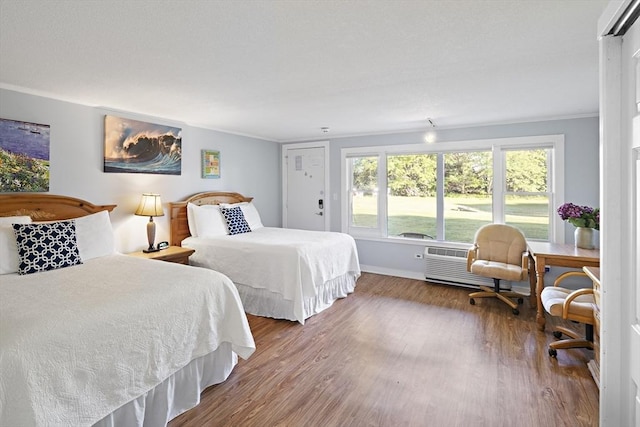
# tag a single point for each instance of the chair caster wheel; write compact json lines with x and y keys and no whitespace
{"x":557,"y":334}
{"x":472,"y":301}
{"x":520,"y":300}
{"x":515,"y":311}
{"x":553,"y":352}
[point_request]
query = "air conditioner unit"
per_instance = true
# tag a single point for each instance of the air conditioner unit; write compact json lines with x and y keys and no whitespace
{"x":448,"y":265}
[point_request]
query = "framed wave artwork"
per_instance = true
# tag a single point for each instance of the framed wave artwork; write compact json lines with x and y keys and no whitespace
{"x":132,"y":146}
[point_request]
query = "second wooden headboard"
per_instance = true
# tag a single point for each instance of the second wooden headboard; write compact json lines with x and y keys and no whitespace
{"x":179,"y":224}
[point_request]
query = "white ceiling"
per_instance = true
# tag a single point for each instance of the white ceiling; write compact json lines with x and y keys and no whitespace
{"x":282,"y":70}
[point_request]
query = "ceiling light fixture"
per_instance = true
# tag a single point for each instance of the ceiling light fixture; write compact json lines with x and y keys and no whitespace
{"x":430,"y":137}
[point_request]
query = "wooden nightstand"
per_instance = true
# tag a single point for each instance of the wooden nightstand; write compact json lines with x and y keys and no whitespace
{"x":175,"y":254}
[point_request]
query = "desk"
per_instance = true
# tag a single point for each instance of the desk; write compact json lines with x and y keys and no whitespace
{"x":594,"y":364}
{"x":542,"y":254}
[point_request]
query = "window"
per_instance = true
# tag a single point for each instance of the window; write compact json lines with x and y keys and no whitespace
{"x":468,"y":178}
{"x":411,"y":201}
{"x":526,"y":196}
{"x":363,"y":197}
{"x":447,"y":191}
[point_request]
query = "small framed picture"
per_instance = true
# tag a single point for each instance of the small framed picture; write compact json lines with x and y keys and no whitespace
{"x":210,"y":164}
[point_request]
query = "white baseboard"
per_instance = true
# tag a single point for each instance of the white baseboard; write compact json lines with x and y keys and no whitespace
{"x":417,"y":275}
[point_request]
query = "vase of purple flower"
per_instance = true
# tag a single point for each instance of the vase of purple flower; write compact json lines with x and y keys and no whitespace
{"x":583,"y":237}
{"x":585,"y":219}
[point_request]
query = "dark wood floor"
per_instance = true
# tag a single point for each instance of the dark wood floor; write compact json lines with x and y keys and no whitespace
{"x":402,"y":352}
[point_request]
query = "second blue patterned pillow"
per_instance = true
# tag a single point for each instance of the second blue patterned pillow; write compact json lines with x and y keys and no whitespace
{"x":235,"y":220}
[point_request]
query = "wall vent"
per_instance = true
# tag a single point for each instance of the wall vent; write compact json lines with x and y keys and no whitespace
{"x":448,"y":265}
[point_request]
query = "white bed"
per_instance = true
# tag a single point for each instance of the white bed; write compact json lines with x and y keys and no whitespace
{"x":115,"y":340}
{"x":280,"y":273}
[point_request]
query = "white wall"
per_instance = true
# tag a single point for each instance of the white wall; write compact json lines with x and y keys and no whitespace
{"x":581,"y":177}
{"x":252,"y":167}
{"x":249,"y":166}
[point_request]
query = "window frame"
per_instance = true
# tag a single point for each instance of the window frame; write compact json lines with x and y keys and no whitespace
{"x":498,"y":146}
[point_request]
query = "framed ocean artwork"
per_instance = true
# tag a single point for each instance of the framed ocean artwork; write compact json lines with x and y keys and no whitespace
{"x":24,"y":156}
{"x":132,"y":146}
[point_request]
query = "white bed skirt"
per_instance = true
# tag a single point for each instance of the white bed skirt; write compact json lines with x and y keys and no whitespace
{"x":177,"y":394}
{"x":262,"y":302}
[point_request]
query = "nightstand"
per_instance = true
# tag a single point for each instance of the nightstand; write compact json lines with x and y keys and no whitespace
{"x":175,"y":254}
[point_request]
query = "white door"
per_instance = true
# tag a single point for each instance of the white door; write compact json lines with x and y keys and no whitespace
{"x":620,"y":222}
{"x":305,"y":183}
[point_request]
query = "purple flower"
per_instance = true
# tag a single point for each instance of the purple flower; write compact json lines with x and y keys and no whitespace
{"x":580,"y":216}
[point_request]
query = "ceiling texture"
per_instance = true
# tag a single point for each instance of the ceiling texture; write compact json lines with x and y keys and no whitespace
{"x":282,"y":70}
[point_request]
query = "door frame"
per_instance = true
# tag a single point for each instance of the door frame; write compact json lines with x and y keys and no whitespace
{"x":327,"y":194}
{"x":617,"y":231}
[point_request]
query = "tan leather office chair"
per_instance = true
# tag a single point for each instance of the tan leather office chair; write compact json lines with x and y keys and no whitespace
{"x":500,"y":253}
{"x":575,"y":305}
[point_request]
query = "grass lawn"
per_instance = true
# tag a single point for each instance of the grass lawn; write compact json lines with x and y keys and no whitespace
{"x":463,"y":215}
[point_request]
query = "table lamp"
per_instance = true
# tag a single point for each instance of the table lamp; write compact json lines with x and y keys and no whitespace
{"x":150,"y":205}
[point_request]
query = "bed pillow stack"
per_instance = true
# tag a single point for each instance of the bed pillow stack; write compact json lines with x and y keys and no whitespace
{"x":209,"y":221}
{"x":27,"y":247}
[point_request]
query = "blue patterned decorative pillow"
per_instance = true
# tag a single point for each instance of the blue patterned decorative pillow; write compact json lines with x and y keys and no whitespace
{"x":235,"y":220}
{"x":47,"y":246}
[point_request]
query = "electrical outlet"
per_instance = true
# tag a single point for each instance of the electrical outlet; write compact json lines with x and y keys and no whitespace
{"x":418,"y":256}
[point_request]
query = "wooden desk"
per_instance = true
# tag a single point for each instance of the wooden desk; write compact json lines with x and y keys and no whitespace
{"x":594,"y":364}
{"x":542,"y":254}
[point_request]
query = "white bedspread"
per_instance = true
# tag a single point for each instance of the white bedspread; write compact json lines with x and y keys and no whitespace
{"x":289,"y":262}
{"x":79,"y":342}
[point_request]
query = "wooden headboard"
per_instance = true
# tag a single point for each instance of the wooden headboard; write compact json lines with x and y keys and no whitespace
{"x":47,"y":207}
{"x":178,"y":211}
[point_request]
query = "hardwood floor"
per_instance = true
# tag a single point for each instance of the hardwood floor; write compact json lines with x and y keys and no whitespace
{"x":401,"y":352}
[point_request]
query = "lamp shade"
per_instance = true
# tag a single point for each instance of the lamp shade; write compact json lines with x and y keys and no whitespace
{"x":150,"y":205}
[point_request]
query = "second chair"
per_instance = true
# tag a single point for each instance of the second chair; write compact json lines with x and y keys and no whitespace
{"x":499,"y":252}
{"x":574,"y":305}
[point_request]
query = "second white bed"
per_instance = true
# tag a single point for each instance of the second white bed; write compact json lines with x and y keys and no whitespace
{"x":282,"y":273}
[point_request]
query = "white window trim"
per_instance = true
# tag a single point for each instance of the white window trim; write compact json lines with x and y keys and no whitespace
{"x":556,"y":142}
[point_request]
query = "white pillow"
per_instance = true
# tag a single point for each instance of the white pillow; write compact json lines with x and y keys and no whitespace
{"x":209,"y":221}
{"x":95,"y":236}
{"x":250,"y":213}
{"x":252,"y":216}
{"x":9,"y":259}
{"x":191,"y":219}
